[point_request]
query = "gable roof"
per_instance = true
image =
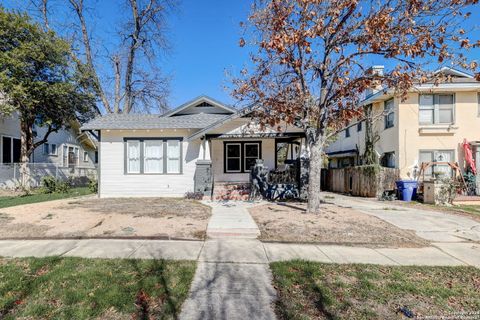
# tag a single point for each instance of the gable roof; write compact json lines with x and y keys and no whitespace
{"x":453,"y":72}
{"x":198,"y":100}
{"x":152,"y":121}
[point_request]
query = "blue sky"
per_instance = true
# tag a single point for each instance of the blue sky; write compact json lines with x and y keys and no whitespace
{"x":204,"y":36}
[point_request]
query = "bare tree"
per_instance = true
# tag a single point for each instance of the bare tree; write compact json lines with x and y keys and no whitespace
{"x":141,"y":40}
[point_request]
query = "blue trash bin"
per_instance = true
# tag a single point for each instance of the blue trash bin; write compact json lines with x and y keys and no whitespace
{"x":407,"y":189}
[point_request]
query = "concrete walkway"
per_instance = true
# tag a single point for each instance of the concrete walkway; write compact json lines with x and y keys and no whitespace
{"x":233,"y":279}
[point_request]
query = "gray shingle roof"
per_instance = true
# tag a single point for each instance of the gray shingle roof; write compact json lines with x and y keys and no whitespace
{"x":152,"y":121}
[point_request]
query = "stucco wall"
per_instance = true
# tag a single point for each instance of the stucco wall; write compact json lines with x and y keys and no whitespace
{"x":414,"y":137}
{"x":115,"y":183}
{"x":217,"y":149}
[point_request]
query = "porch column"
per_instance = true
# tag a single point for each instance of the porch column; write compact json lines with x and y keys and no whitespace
{"x":203,"y":179}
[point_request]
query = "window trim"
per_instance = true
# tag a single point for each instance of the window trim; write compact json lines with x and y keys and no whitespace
{"x":142,"y":158}
{"x":11,"y":148}
{"x":391,"y":111}
{"x":436,"y":108}
{"x":242,"y":154}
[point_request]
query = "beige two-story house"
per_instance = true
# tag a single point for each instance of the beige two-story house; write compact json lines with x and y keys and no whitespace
{"x":429,"y":125}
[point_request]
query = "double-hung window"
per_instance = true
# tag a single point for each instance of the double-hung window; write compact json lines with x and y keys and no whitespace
{"x":436,"y":109}
{"x":50,"y":149}
{"x":437,"y":156}
{"x":389,"y":109}
{"x":240,"y":157}
{"x":153,"y":156}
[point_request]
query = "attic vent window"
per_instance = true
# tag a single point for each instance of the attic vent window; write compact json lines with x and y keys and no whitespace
{"x":204,"y":104}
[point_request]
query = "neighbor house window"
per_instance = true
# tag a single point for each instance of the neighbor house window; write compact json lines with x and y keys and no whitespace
{"x":53,"y":149}
{"x":85,"y":156}
{"x":153,"y":156}
{"x":241,"y":156}
{"x":389,"y":110}
{"x":437,"y":156}
{"x":478,"y":103}
{"x":10,"y":150}
{"x":359,"y":126}
{"x":50,"y":149}
{"x":436,"y":109}
{"x":347,"y":132}
{"x":388,"y":160}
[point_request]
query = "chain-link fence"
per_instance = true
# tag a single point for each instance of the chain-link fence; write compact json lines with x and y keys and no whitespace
{"x":10,"y":174}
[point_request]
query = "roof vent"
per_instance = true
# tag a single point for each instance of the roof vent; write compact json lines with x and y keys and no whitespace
{"x":203,"y":104}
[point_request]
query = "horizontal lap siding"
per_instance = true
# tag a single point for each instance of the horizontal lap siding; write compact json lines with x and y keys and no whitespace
{"x":115,"y":183}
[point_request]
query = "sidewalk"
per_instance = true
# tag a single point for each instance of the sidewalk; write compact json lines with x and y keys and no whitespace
{"x":244,"y":251}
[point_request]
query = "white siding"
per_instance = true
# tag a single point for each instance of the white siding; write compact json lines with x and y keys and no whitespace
{"x":268,"y":154}
{"x":61,"y":138}
{"x":115,"y":183}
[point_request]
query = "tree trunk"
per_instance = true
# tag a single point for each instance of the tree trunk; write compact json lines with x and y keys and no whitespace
{"x":315,"y":175}
{"x":26,"y":141}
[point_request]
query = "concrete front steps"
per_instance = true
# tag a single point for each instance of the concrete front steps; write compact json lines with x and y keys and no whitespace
{"x":223,"y":191}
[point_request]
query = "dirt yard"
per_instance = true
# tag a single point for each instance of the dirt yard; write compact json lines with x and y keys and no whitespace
{"x":289,"y":222}
{"x":116,"y":217}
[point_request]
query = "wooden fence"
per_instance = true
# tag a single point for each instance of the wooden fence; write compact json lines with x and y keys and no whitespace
{"x":363,"y":181}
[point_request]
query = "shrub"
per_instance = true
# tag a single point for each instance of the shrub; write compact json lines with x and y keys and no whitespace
{"x":93,"y":185}
{"x":194,"y":195}
{"x":51,"y":184}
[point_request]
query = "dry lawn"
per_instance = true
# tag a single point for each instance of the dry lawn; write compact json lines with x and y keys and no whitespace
{"x":116,"y":217}
{"x":289,"y":222}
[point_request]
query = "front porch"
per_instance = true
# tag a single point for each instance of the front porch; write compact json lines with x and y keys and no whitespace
{"x":224,"y":172}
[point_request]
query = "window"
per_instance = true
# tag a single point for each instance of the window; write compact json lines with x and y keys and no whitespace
{"x":53,"y":149}
{"x":437,"y":156}
{"x":173,"y":156}
{"x":478,"y":101}
{"x":96,"y":156}
{"x":10,"y":150}
{"x":50,"y":149}
{"x":436,"y":109}
{"x":85,"y":156}
{"x":152,"y":156}
{"x":389,"y":113}
{"x":133,"y":156}
{"x":241,"y":156}
{"x":347,"y":132}
{"x":233,"y":157}
{"x":359,"y":126}
{"x":388,"y":160}
{"x":252,"y":153}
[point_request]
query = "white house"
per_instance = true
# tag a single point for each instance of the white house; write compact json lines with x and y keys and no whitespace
{"x":65,"y":148}
{"x":199,"y":146}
